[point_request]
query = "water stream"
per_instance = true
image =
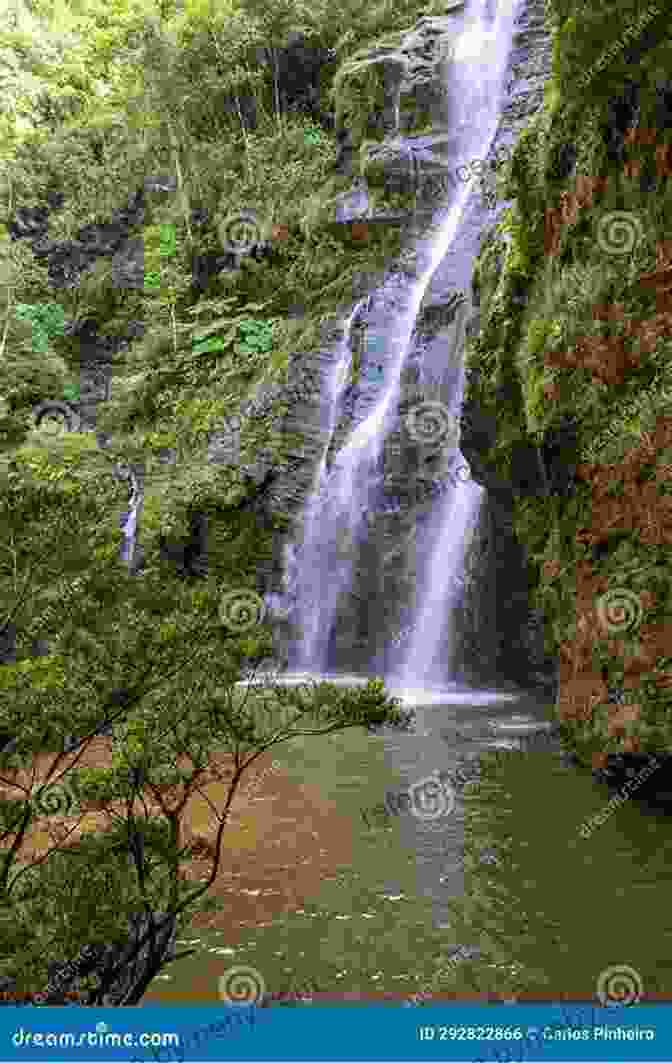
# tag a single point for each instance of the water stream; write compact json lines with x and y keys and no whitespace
{"x":509,"y":851}
{"x":349,"y":488}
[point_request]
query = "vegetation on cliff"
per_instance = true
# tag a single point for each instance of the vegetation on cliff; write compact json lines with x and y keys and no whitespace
{"x":573,"y":361}
{"x":94,"y":101}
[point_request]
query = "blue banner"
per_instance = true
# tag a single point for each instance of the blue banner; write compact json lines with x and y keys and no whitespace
{"x":513,"y":1033}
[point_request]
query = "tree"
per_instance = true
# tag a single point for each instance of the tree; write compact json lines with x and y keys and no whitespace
{"x":157,"y":661}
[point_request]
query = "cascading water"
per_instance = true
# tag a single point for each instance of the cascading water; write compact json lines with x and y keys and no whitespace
{"x":457,"y":518}
{"x":335,"y":521}
{"x":129,"y":520}
{"x":298,"y":588}
{"x":477,"y":102}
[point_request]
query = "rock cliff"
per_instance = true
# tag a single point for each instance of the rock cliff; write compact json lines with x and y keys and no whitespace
{"x":567,"y":407}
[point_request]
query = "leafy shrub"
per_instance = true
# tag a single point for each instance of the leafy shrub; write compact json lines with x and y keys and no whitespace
{"x":48,"y":320}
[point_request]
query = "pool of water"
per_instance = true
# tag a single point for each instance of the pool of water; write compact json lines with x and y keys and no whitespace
{"x":537,"y":908}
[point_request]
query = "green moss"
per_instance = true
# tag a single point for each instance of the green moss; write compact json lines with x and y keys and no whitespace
{"x":559,"y":311}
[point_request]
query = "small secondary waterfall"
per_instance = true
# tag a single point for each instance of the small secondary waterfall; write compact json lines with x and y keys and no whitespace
{"x":350,"y":487}
{"x":312,"y":576}
{"x":129,"y":520}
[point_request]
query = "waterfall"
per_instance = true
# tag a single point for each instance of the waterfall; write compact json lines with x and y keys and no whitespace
{"x":458,"y":516}
{"x":346,"y":492}
{"x":428,"y":659}
{"x":129,"y":520}
{"x":302,"y":562}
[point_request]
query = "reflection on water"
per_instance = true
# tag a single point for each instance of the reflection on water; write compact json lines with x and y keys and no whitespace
{"x":507,"y":878}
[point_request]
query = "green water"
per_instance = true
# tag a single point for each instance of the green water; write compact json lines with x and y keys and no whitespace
{"x":550,"y":916}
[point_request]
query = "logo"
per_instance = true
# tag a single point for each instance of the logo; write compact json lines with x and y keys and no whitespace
{"x":54,"y":418}
{"x":242,"y":985}
{"x":431,"y":424}
{"x":241,"y":610}
{"x":619,"y":987}
{"x":431,"y":800}
{"x":239,"y":233}
{"x":619,"y":610}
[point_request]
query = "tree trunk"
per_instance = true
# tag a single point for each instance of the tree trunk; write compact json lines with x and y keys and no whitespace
{"x":124,"y":971}
{"x":184,"y":198}
{"x":276,"y":89}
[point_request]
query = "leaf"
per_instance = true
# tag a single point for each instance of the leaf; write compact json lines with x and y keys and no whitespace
{"x":215,"y":343}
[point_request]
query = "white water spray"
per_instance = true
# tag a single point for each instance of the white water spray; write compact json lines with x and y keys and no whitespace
{"x":337,"y":510}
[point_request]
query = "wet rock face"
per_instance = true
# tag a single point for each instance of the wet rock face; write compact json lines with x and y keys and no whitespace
{"x":409,"y":80}
{"x":190,"y":557}
{"x":396,"y":85}
{"x":498,"y":633}
{"x":298,"y":68}
{"x":623,"y":112}
{"x":630,"y":519}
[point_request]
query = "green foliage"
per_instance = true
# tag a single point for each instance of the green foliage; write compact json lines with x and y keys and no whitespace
{"x":314,"y":134}
{"x":257,"y":336}
{"x":47,"y":319}
{"x":539,"y":331}
{"x":214,"y":343}
{"x":168,"y":240}
{"x":152,"y":280}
